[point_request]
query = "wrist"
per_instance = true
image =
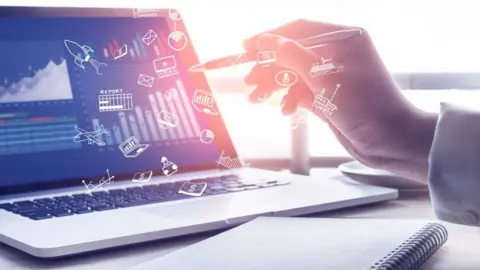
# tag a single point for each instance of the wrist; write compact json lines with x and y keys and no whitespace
{"x":419,"y":134}
{"x":424,"y":127}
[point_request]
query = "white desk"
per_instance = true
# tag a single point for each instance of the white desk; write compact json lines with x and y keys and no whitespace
{"x":462,"y":240}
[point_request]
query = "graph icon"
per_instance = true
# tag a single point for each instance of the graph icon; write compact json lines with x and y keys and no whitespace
{"x":115,"y":102}
{"x":231,"y":163}
{"x":120,"y":52}
{"x":138,"y":48}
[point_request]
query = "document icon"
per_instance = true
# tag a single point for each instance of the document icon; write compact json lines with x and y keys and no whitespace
{"x":142,"y":177}
{"x":149,"y":37}
{"x":145,"y":80}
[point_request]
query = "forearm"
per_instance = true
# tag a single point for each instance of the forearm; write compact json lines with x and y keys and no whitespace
{"x":410,"y":149}
{"x":422,"y":136}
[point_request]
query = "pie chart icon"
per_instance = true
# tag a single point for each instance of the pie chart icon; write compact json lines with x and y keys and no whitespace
{"x":207,"y":136}
{"x":177,"y":40}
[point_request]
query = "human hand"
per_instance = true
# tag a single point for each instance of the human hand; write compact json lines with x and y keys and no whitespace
{"x":370,"y":117}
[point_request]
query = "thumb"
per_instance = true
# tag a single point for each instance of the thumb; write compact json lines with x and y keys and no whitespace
{"x":288,"y":53}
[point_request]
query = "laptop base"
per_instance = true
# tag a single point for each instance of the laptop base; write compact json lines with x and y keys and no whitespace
{"x":58,"y":237}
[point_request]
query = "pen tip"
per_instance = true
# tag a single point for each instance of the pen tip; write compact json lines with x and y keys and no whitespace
{"x":197,"y":68}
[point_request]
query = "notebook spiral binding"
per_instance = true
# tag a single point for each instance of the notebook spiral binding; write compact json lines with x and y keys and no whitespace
{"x":416,"y":250}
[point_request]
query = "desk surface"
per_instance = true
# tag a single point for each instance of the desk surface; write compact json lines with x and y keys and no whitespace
{"x":412,"y":206}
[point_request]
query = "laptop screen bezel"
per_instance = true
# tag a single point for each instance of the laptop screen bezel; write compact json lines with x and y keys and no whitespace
{"x":188,"y":56}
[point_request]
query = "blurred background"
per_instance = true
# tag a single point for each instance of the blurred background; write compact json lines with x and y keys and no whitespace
{"x":429,"y":46}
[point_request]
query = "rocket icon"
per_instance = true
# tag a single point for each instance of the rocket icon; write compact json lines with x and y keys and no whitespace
{"x":81,"y":54}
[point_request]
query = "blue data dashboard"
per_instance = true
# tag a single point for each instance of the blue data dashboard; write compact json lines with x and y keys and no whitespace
{"x":79,"y":96}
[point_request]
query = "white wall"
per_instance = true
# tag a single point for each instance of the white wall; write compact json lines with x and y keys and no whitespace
{"x":411,"y":35}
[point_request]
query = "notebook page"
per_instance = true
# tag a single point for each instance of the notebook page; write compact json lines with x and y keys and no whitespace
{"x":448,"y":258}
{"x":294,"y":243}
{"x":461,"y":251}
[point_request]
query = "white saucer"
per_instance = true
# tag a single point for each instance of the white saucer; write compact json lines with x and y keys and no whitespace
{"x":361,"y":173}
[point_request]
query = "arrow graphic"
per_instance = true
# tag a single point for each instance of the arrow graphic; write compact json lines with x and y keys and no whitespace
{"x":338,"y":86}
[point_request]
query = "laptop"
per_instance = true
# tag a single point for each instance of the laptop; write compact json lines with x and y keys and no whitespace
{"x":60,"y":196}
{"x":132,"y":148}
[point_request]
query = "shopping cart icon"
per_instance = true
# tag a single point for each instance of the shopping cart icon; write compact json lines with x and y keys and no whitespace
{"x":203,"y":102}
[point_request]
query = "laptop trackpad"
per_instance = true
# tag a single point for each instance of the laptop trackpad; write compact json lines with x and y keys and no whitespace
{"x":214,"y":209}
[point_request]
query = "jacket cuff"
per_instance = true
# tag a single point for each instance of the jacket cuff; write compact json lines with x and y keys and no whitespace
{"x":454,"y":172}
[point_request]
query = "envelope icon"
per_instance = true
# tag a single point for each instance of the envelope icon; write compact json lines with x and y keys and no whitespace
{"x":149,"y":37}
{"x":145,"y":80}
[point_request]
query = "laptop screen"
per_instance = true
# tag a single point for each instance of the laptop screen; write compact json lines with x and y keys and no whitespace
{"x":79,"y":96}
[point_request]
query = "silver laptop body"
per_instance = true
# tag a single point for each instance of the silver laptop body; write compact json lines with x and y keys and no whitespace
{"x":66,"y":188}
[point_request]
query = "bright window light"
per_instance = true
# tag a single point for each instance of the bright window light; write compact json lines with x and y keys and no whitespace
{"x":410,"y":35}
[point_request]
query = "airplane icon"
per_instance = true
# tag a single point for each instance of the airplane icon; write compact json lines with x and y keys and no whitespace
{"x":89,"y":136}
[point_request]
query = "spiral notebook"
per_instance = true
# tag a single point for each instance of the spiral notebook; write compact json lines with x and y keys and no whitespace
{"x":311,"y":243}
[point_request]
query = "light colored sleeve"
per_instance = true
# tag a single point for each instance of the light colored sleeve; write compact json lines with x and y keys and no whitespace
{"x":454,"y":172}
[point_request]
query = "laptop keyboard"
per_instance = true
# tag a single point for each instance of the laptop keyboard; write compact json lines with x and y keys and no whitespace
{"x":77,"y":204}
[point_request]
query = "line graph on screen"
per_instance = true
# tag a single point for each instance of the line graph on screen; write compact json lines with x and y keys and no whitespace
{"x":49,"y":83}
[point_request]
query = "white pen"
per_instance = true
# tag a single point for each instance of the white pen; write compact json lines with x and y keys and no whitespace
{"x":309,"y":43}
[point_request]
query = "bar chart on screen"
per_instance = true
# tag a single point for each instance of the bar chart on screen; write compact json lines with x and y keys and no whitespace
{"x":136,"y":48}
{"x":150,"y":123}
